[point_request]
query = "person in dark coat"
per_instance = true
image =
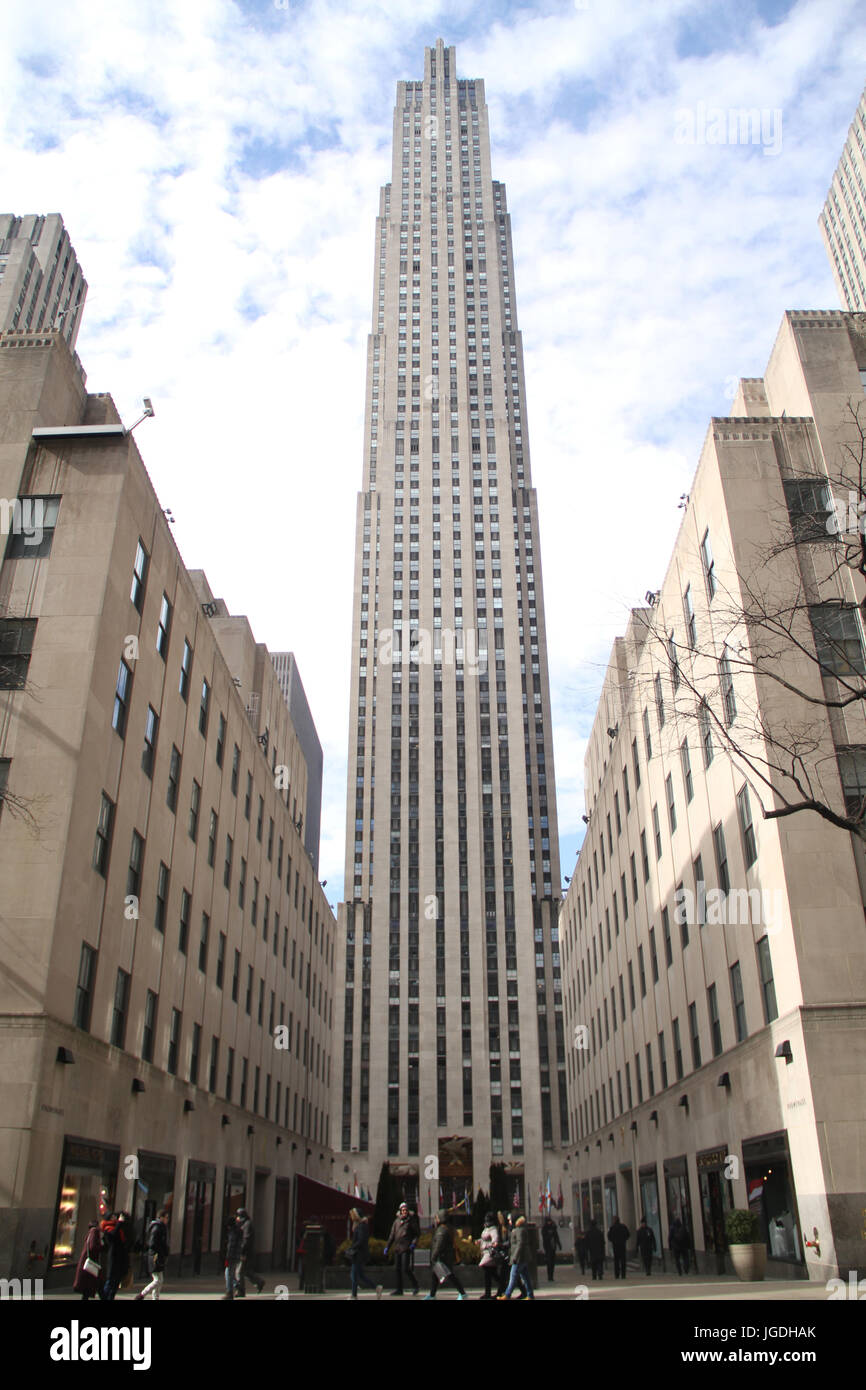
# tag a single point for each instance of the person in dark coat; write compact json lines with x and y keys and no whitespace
{"x":551,"y":1242}
{"x":359,"y":1253}
{"x":580,"y":1248}
{"x":519,"y":1260}
{"x":442,"y":1253}
{"x":234,"y":1242}
{"x":85,"y":1283}
{"x":646,"y":1244}
{"x":618,"y":1236}
{"x":157,"y":1255}
{"x":678,"y":1240}
{"x":402,"y":1240}
{"x":595,"y":1250}
{"x":116,"y":1238}
{"x":247,"y":1264}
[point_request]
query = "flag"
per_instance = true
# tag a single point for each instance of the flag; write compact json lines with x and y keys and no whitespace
{"x":548,"y":1195}
{"x":357,"y":1188}
{"x":516,"y":1200}
{"x":468,"y":1205}
{"x":540,"y":1198}
{"x":559,"y":1198}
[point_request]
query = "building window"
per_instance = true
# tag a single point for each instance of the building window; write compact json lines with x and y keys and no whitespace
{"x":691,"y":624}
{"x":838,"y":639}
{"x":230,"y":1073}
{"x":747,"y":829}
{"x":261,"y":819}
{"x":204,"y":708}
{"x":721,"y":859}
{"x":236,"y":977}
{"x":663,"y":1058}
{"x":211,"y":838}
{"x":221,"y":960}
{"x":768,"y":988}
{"x":102,"y":848}
{"x":163,"y":630}
{"x":738,"y":1001}
{"x":657,"y":832}
{"x":202,"y":945}
{"x":810,"y":507}
{"x":678,"y":1050}
{"x":84,"y":987}
{"x":695,"y":1035}
{"x":195,"y":1053}
{"x":121,"y":698}
{"x":227,"y":867}
{"x":173,"y":778}
{"x":852,"y":771}
{"x":173,"y":1042}
{"x":133,"y":873}
{"x":644,"y":857}
{"x":249,"y":796}
{"x":194,"y":804}
{"x":161,"y":897}
{"x":654,"y":960}
{"x":660,"y":704}
{"x":151,"y":731}
{"x":236,"y":763}
{"x":726,"y":681}
{"x":634,"y":755}
{"x":715,"y":1022}
{"x":686,"y":761}
{"x":139,"y":577}
{"x":31,"y":527}
{"x":666,"y":935}
{"x":221,"y":740}
{"x":214,"y":1064}
{"x":149,"y":1030}
{"x":16,"y":648}
{"x":706,"y":733}
{"x":185,"y":671}
{"x":120,"y":1009}
{"x":709,"y":566}
{"x":183,"y":933}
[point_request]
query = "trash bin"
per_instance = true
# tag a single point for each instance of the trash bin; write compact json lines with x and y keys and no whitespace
{"x":314,"y":1263}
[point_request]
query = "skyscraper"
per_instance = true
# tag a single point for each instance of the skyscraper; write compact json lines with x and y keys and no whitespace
{"x":449,"y":1024}
{"x":843,"y":217}
{"x":42,"y":289}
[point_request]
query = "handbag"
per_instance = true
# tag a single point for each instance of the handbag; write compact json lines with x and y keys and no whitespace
{"x":441,"y":1271}
{"x":91,"y":1267}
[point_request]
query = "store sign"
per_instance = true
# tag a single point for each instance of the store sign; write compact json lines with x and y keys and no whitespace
{"x":717,"y":1158}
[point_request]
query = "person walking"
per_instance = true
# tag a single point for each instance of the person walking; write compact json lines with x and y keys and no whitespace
{"x":595,"y":1250}
{"x":488,"y":1244}
{"x":580,"y":1248}
{"x":551,"y":1242}
{"x":234,"y":1242}
{"x":359,"y":1253}
{"x":442,"y":1255}
{"x":116,"y":1241}
{"x":403,"y":1238}
{"x":88,"y":1275}
{"x":157,"y":1255}
{"x":618,"y":1236}
{"x":503,"y":1252}
{"x":646,"y":1244}
{"x":246,"y":1264}
{"x":678,"y":1240}
{"x":519,"y":1260}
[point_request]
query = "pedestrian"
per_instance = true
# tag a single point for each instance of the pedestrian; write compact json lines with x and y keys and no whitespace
{"x":403,"y":1238}
{"x":246,"y":1268}
{"x":551,"y":1242}
{"x":488,"y":1244}
{"x":503,"y":1252}
{"x":116,"y":1239}
{"x":618,"y":1236}
{"x":678,"y":1240}
{"x":359,"y":1253}
{"x":88,"y":1275}
{"x":234,"y":1241}
{"x":157,"y":1255}
{"x":646,"y":1244}
{"x":580,"y":1248}
{"x":519,"y":1260}
{"x":442,"y":1258}
{"x":595,"y":1250}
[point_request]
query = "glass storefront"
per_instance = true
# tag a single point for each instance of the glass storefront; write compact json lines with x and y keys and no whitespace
{"x":234,"y":1196}
{"x":197,"y":1215}
{"x":771,"y":1195}
{"x":88,"y":1180}
{"x":611,"y":1209}
{"x":677,"y":1191}
{"x":154,"y":1189}
{"x":597,"y":1206}
{"x":649,"y":1200}
{"x":585,"y":1206}
{"x":716,"y":1200}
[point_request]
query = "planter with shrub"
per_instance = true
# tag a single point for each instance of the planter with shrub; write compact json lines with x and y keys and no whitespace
{"x":748,"y":1252}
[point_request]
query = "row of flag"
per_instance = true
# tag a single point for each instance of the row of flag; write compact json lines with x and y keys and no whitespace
{"x":546,"y":1200}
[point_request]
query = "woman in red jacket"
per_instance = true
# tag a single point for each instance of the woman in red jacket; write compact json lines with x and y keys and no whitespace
{"x":86,"y":1282}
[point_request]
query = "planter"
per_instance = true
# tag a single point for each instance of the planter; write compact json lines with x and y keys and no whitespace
{"x":749,"y":1261}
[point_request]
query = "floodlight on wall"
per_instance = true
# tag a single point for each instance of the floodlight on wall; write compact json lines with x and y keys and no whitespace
{"x":586,"y":1149}
{"x":610,"y":1138}
{"x":225,"y":1121}
{"x":725,"y":1080}
{"x":188,"y":1107}
{"x":614,"y":732}
{"x":251,"y":1129}
{"x":64,"y":1056}
{"x":654,"y":1115}
{"x":148,"y":413}
{"x":633,"y":1126}
{"x":586,"y":819}
{"x":279,"y":1141}
{"x":684,"y":1102}
{"x":598,"y":1143}
{"x":784,"y":1050}
{"x":137,"y":1086}
{"x":683,"y":502}
{"x":652,"y":597}
{"x":294,"y":1146}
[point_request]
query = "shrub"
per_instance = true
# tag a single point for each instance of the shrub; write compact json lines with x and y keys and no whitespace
{"x":742,"y":1228}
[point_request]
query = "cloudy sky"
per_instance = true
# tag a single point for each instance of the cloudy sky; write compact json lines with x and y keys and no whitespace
{"x":218,"y":163}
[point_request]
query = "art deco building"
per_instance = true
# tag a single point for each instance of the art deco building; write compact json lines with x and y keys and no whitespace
{"x":714,"y":960}
{"x":42,"y":288}
{"x":166,"y":953}
{"x":449,"y":1018}
{"x":843,"y":218}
